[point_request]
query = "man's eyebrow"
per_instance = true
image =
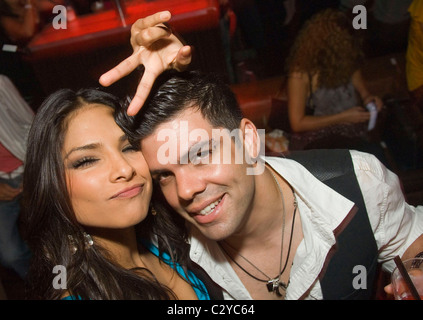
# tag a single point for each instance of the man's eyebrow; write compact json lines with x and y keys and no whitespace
{"x":185,"y":157}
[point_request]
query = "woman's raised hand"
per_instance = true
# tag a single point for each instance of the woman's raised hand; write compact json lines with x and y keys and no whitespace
{"x":157,"y":48}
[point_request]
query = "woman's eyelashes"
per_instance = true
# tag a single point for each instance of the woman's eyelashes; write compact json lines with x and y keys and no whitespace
{"x":83,"y":162}
{"x":87,"y":161}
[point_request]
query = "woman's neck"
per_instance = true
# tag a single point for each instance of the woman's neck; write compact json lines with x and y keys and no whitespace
{"x":121,"y":244}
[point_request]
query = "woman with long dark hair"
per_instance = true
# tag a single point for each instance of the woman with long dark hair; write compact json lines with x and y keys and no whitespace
{"x":87,"y":194}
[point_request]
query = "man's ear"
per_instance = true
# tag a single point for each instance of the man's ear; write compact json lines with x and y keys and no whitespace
{"x":251,"y":138}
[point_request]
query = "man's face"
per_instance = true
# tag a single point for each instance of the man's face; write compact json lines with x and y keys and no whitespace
{"x":199,"y":175}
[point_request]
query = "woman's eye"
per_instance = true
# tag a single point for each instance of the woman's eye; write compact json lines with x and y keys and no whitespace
{"x":84,"y":162}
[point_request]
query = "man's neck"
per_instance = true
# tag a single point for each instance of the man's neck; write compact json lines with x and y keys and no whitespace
{"x":266,"y":215}
{"x":267,"y":244}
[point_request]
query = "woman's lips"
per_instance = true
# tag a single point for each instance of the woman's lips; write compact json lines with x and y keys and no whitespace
{"x":128,"y":192}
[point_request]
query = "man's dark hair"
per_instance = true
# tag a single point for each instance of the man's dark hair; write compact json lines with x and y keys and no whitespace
{"x":174,"y":92}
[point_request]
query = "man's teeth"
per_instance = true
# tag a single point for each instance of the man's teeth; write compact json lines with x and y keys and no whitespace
{"x":209,"y":208}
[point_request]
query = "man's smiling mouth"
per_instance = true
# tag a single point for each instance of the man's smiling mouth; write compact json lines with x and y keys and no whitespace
{"x":210,"y":207}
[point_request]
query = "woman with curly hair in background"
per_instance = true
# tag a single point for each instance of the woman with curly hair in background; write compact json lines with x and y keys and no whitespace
{"x":326,"y":91}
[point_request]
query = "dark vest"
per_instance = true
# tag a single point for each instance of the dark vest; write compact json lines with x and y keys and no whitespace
{"x":355,"y":243}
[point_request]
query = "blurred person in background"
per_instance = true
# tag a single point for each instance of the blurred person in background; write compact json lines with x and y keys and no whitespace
{"x":15,"y":120}
{"x":19,"y":23}
{"x":326,"y":91}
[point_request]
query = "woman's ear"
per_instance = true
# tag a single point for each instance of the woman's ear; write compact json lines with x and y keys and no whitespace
{"x":251,"y":138}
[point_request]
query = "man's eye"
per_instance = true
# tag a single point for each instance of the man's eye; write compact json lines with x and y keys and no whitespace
{"x":203,"y":153}
{"x":162,"y":176}
{"x":130,"y":148}
{"x":201,"y":156}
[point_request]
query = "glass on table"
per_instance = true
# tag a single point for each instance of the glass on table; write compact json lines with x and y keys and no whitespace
{"x":401,"y":290}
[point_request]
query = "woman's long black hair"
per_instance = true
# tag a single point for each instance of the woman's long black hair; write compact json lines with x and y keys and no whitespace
{"x":48,"y":218}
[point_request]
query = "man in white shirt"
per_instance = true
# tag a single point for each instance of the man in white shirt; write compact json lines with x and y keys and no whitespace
{"x":271,"y":234}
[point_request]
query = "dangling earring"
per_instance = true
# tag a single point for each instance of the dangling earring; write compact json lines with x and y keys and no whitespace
{"x":153,"y":211}
{"x":72,"y":246}
{"x":88,"y":240}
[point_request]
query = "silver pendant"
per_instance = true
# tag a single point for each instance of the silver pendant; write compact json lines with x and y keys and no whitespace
{"x":273,"y":285}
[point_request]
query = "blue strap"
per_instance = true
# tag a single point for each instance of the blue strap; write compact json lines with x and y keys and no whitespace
{"x":198,"y":286}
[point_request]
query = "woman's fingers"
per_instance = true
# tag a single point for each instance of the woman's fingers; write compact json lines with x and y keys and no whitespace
{"x":142,"y":93}
{"x":118,"y":72}
{"x":183,"y":58}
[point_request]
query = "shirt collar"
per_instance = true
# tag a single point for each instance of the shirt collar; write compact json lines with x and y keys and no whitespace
{"x":322,"y":210}
{"x":209,"y":256}
{"x":328,"y":208}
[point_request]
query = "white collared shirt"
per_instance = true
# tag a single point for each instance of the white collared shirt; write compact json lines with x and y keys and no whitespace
{"x":395,"y":224}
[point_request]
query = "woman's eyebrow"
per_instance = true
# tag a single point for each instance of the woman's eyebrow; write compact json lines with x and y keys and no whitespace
{"x":90,"y":146}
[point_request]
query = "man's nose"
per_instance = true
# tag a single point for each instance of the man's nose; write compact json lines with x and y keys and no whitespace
{"x":189,"y":183}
